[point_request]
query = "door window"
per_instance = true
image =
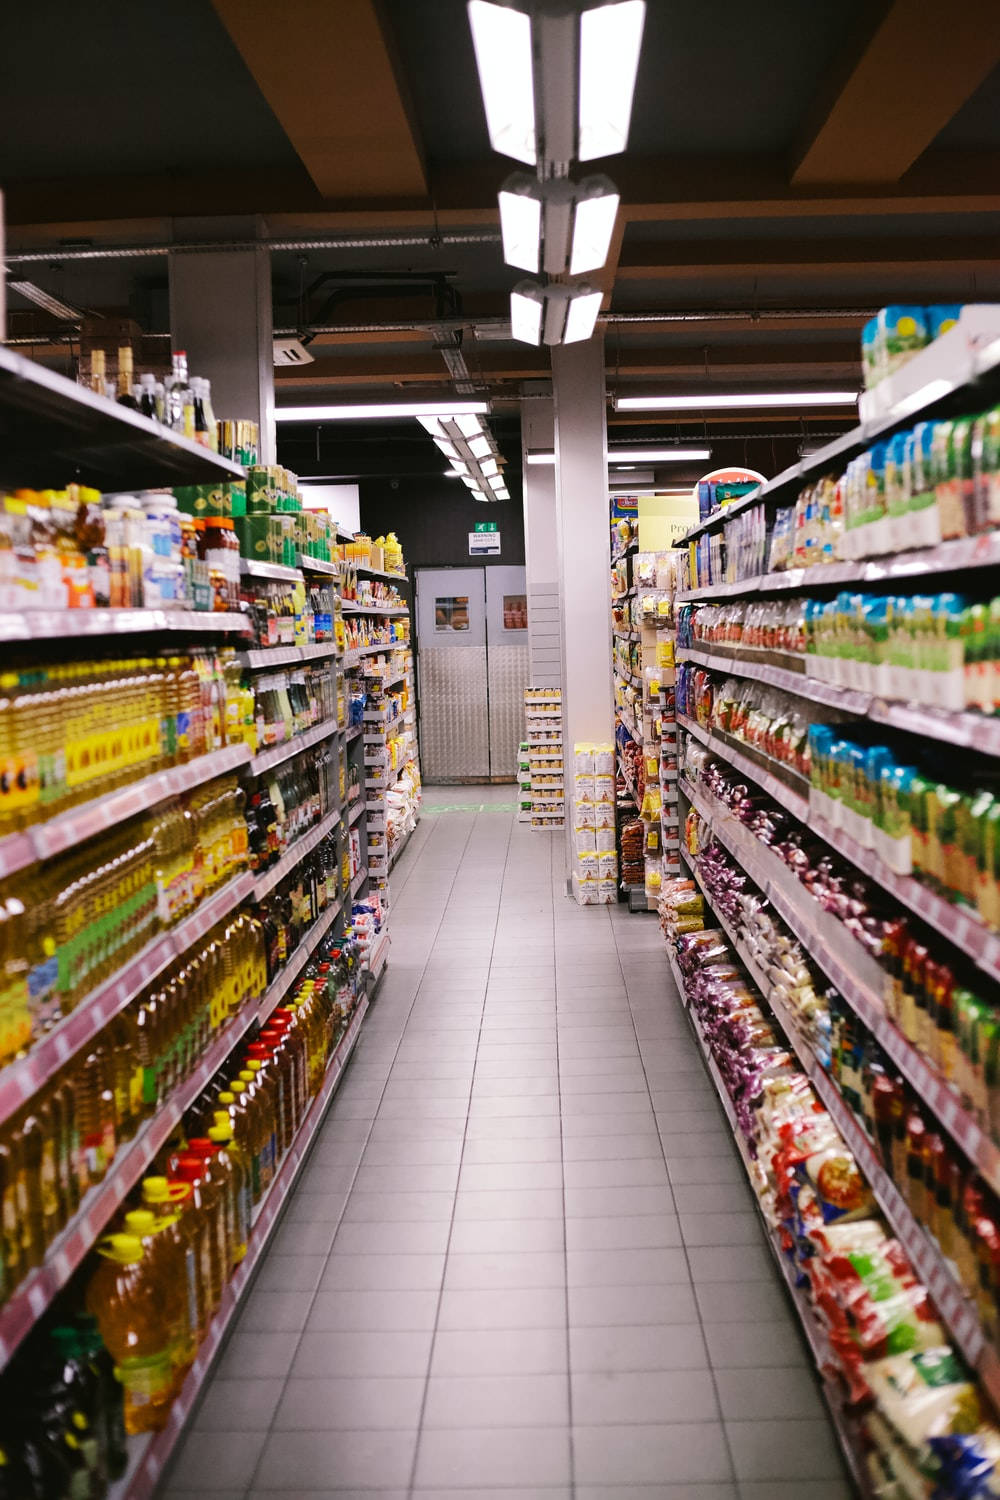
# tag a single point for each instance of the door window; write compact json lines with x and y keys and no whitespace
{"x":451,"y":613}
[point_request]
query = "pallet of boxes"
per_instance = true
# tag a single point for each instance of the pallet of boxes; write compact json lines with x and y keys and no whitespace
{"x":595,"y":860}
{"x":543,"y":725}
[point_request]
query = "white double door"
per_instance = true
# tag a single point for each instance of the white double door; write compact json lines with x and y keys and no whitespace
{"x":472,"y":669}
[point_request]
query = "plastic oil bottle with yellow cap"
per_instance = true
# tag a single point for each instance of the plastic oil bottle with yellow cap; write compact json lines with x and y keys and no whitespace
{"x":124,"y":1298}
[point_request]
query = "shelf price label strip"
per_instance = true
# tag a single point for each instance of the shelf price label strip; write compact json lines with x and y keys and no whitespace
{"x":153,"y":1451}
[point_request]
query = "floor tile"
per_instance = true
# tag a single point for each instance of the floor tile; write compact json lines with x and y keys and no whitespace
{"x":678,"y":1346}
{"x":479,"y":1236}
{"x":491,"y":1455}
{"x":406,"y":1309}
{"x":644,"y":1454}
{"x":497,"y":1401}
{"x":645,"y":1267}
{"x":758,"y":1392}
{"x":648,"y":1396}
{"x":239,"y":1405}
{"x":774,"y":1342}
{"x":595,"y":1306}
{"x":799,"y":1450}
{"x":531,"y":1351}
{"x":363,"y":1353}
{"x":635,"y":1232}
{"x":496,"y":1269}
{"x":361,"y":1272}
{"x":352,"y":1402}
{"x":217,"y":1460}
{"x":324,"y":1459}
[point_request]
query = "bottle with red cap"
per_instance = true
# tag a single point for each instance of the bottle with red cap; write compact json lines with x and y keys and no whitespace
{"x":215,"y":1180}
{"x":205,"y":1207}
{"x":264,"y":1094}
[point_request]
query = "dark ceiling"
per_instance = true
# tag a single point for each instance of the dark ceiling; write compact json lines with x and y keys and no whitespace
{"x":754,"y":239}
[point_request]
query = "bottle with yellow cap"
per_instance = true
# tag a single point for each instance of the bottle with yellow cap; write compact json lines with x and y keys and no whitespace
{"x":169,"y":1202}
{"x":164,"y":1259}
{"x":228,"y":1161}
{"x":128,"y":1306}
{"x":238,"y":1104}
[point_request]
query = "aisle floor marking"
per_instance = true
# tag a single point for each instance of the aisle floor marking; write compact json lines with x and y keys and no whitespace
{"x":428,"y":812}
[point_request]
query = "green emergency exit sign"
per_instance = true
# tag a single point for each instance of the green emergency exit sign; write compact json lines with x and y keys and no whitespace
{"x":485,"y":526}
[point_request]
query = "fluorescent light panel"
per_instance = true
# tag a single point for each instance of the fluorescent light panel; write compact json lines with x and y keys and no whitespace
{"x":460,"y":410}
{"x":520,"y":204}
{"x":581,"y":315}
{"x":610,"y":39}
{"x":659,"y":455}
{"x":593,"y":225}
{"x":525,"y":316}
{"x":502,"y":41}
{"x":711,"y":400}
{"x":46,"y":301}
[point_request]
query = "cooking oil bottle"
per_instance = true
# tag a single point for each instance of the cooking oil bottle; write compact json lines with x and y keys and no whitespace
{"x":128,"y":1304}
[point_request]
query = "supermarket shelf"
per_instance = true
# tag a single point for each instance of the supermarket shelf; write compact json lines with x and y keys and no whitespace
{"x":957,"y":1310}
{"x":356,"y":811}
{"x":379,"y":959}
{"x":295,"y":855}
{"x":65,"y":624}
{"x":797,"y":803}
{"x":629,"y":723}
{"x":353,"y":733}
{"x":401,"y":844}
{"x":277,"y":571}
{"x":69,"y":1249}
{"x":912,"y":393}
{"x":973,"y":731}
{"x":318,"y":565}
{"x":352,"y":607}
{"x":150,"y":1452}
{"x":849,"y":1438}
{"x":962,"y":927}
{"x":626,"y":635}
{"x":278,"y":753}
{"x":53,"y":431}
{"x":359,"y":881}
{"x":66,"y":829}
{"x":376,"y":573}
{"x":952,"y":556}
{"x":20,"y":1079}
{"x":630,"y":784}
{"x":283,"y":656}
{"x":282,"y":983}
{"x":832,"y":952}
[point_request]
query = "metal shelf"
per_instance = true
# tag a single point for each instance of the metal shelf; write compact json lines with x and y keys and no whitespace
{"x":957,"y":1310}
{"x":278,"y":753}
{"x":283,"y":656}
{"x":53,"y":431}
{"x":66,"y":624}
{"x":973,"y":731}
{"x":359,"y":881}
{"x":150,"y":1452}
{"x":76,"y":824}
{"x":280,"y":572}
{"x":295,"y":855}
{"x":318,"y":565}
{"x":795,"y":802}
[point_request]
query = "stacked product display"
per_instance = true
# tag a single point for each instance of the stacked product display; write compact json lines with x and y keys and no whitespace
{"x":838,"y":944}
{"x":645,"y":730}
{"x":543,"y":751}
{"x":185,"y":958}
{"x":595,"y":859}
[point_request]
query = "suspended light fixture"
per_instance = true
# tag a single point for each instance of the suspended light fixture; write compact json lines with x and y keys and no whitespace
{"x":557,"y":83}
{"x":553,"y":314}
{"x":464,"y":439}
{"x":557,"y":226}
{"x":345,"y":412}
{"x":745,"y":400}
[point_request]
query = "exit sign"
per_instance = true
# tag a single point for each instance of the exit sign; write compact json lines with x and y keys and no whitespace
{"x":485,"y":526}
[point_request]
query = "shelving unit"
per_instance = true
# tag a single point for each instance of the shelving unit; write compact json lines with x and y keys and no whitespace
{"x":945,"y":379}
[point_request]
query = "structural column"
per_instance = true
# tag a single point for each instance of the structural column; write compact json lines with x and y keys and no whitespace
{"x":220,"y":314}
{"x":582,"y":524}
{"x":541,"y":548}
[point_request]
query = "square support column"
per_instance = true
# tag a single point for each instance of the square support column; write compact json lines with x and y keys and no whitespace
{"x":220,"y":314}
{"x":541,"y":547}
{"x":581,"y":443}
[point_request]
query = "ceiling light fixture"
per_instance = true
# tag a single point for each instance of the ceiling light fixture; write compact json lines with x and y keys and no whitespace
{"x":464,"y":410}
{"x":553,"y":314}
{"x":661,"y":455}
{"x":496,"y":482}
{"x":470,"y":446}
{"x":557,"y":225}
{"x":453,"y":474}
{"x":59,"y":309}
{"x":501,"y":494}
{"x":557,"y":84}
{"x":711,"y":400}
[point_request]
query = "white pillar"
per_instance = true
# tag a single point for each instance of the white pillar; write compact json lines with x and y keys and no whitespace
{"x":541,"y":547}
{"x":220,"y":314}
{"x":583,"y":528}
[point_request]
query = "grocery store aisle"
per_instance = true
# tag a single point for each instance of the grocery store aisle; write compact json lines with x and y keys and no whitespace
{"x":522,"y":1261}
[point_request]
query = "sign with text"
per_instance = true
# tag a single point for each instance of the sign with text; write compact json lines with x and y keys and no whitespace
{"x":484,"y":543}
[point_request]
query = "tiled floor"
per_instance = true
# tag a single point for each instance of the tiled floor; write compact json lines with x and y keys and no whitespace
{"x":522,"y":1263}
